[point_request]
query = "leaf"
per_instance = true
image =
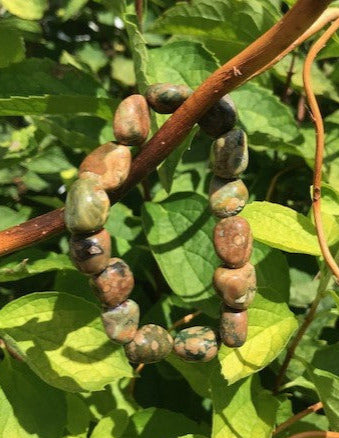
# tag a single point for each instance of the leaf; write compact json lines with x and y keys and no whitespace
{"x":123,"y":70}
{"x":303,"y":288}
{"x":9,"y":217}
{"x":27,"y":9}
{"x":92,"y":55}
{"x":329,"y":199}
{"x":52,"y":160}
{"x":62,"y":339}
{"x":29,"y":407}
{"x":243,"y":409}
{"x":31,"y":262}
{"x":122,"y":223}
{"x":41,"y":86}
{"x":12,"y":47}
{"x":270,"y":326}
{"x":112,"y":425}
{"x":78,"y":414}
{"x":72,"y":8}
{"x":281,"y":227}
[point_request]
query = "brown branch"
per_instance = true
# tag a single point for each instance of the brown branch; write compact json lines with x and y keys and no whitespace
{"x":297,"y":417}
{"x":274,"y":181}
{"x":316,"y":434}
{"x":320,"y":143}
{"x":185,"y":320}
{"x":289,"y":75}
{"x":139,"y":12}
{"x":266,"y":50}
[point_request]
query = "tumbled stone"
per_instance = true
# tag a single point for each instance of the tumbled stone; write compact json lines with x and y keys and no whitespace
{"x":233,"y":241}
{"x":196,"y":344}
{"x":87,"y":206}
{"x":90,"y":253}
{"x":220,"y":118}
{"x":233,"y":327}
{"x":114,"y":284}
{"x":121,"y":322}
{"x":236,"y":287}
{"x":230,"y":154}
{"x":227,"y":197}
{"x":131,"y":123}
{"x":151,"y":343}
{"x":166,"y":98}
{"x":110,"y":162}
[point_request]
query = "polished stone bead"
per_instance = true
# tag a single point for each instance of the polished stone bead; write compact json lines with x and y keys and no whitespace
{"x":131,"y":123}
{"x":236,"y":287}
{"x":151,"y":343}
{"x":110,"y":162}
{"x":230,"y":154}
{"x":114,"y":284}
{"x":87,"y":206}
{"x":233,"y":241}
{"x":166,"y":98}
{"x":90,"y":253}
{"x":121,"y":322}
{"x":220,"y":118}
{"x":196,"y":344}
{"x":233,"y":327}
{"x":227,"y":197}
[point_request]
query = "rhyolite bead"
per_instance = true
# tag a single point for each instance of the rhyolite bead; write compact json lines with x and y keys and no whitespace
{"x":114,"y":284}
{"x":110,"y":163}
{"x":227,"y":197}
{"x":220,"y":118}
{"x":233,"y":327}
{"x":87,"y":206}
{"x":121,"y":322}
{"x":230,"y":154}
{"x":151,"y":343}
{"x":196,"y":344}
{"x":236,"y":287}
{"x":166,"y":98}
{"x":131,"y":123}
{"x":90,"y":253}
{"x":233,"y":241}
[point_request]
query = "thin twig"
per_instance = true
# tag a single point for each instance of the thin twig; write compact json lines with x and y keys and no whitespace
{"x":289,"y":75}
{"x":274,"y":181}
{"x":185,"y":320}
{"x":320,"y":143}
{"x":297,"y":417}
{"x":316,"y":434}
{"x":265,"y":51}
{"x":139,"y":12}
{"x":301,"y":110}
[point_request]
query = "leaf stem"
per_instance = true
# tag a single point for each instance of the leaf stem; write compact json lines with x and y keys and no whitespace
{"x":316,"y":434}
{"x":297,"y":417}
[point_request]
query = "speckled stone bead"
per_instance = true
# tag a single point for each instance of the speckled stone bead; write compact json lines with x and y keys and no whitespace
{"x":151,"y":344}
{"x":196,"y":344}
{"x":227,"y":197}
{"x":220,"y":118}
{"x":131,"y":123}
{"x":110,"y":162}
{"x":87,"y":206}
{"x":236,"y":287}
{"x":121,"y":322}
{"x":233,"y":327}
{"x":166,"y":98}
{"x":230,"y":154}
{"x":114,"y":284}
{"x":90,"y":253}
{"x":233,"y":241}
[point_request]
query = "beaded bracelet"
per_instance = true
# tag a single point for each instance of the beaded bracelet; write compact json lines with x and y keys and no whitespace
{"x":87,"y":208}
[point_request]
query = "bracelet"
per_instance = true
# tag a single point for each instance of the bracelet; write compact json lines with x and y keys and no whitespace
{"x":87,"y":208}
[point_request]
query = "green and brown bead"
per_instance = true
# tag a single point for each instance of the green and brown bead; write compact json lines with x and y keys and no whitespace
{"x":121,"y":322}
{"x":90,"y":253}
{"x":230,"y":154}
{"x":131,"y":123}
{"x":236,"y":287}
{"x":233,"y":241}
{"x":227,"y":197}
{"x":87,"y":206}
{"x":113,"y":285}
{"x":220,"y":118}
{"x":110,"y":163}
{"x":233,"y":327}
{"x":166,"y":98}
{"x":151,"y":343}
{"x":196,"y":344}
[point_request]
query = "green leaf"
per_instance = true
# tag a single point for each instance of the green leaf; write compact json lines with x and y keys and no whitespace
{"x":329,"y":199}
{"x":243,"y":409}
{"x":92,"y":55}
{"x":281,"y":227}
{"x":52,"y":160}
{"x":40,"y":86}
{"x":9,"y":217}
{"x":27,"y":9}
{"x":72,"y":8}
{"x":112,"y":425}
{"x":122,"y":223}
{"x":62,"y":339}
{"x":78,"y":414}
{"x":29,"y":407}
{"x":31,"y":262}
{"x":12,"y":47}
{"x":123,"y":70}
